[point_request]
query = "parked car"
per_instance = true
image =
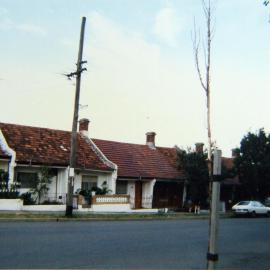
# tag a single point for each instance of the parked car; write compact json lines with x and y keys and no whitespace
{"x":252,"y":208}
{"x":267,"y":201}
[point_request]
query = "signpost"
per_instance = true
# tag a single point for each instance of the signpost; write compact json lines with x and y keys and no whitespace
{"x":212,"y":255}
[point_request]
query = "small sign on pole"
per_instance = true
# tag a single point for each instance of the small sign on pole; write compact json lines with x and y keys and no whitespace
{"x":71,"y":172}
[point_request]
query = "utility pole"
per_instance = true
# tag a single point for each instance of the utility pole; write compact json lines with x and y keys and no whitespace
{"x":72,"y":162}
{"x":212,"y":255}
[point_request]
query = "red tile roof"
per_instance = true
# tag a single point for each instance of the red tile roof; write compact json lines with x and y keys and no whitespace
{"x":45,"y":146}
{"x":135,"y":160}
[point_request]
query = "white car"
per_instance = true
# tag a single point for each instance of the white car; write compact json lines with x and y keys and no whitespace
{"x":252,"y":208}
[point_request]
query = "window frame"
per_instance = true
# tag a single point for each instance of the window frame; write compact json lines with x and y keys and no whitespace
{"x":117,"y":187}
{"x":26,"y":185}
{"x":93,"y":181}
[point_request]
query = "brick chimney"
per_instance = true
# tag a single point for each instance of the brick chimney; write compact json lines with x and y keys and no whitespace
{"x":83,"y":126}
{"x":150,"y":139}
{"x":235,"y":153}
{"x":199,"y":147}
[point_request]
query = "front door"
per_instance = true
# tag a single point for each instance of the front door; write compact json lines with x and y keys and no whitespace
{"x":138,"y":195}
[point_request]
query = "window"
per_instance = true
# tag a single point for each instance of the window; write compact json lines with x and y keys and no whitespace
{"x":27,"y":179}
{"x":244,"y":203}
{"x":256,"y":204}
{"x":88,"y":182}
{"x":121,"y":187}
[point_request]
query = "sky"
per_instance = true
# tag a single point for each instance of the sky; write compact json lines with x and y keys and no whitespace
{"x":141,"y":73}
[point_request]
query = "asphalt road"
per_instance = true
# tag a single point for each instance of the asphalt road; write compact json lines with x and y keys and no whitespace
{"x":176,"y":244}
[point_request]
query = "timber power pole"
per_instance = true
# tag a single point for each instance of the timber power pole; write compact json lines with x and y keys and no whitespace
{"x":77,"y":74}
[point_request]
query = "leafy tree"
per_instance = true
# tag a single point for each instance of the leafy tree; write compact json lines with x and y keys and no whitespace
{"x":252,"y":165}
{"x":195,"y":166}
{"x":42,"y":182}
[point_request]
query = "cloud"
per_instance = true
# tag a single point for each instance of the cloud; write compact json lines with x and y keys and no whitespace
{"x":67,"y":42}
{"x":3,"y":11}
{"x":124,"y":56}
{"x":167,"y":26}
{"x":32,"y":29}
{"x":7,"y":24}
{"x":130,"y":78}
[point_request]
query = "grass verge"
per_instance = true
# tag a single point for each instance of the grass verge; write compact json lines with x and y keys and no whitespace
{"x":57,"y":216}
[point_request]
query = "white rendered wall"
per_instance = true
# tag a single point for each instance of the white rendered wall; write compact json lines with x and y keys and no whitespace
{"x":11,"y":204}
{"x":44,"y":208}
{"x":147,"y":193}
{"x":101,"y":178}
{"x":111,"y":207}
{"x":131,"y":193}
{"x":4,"y":165}
{"x":57,"y":187}
{"x":52,"y":192}
{"x":62,"y":181}
{"x":12,"y":164}
{"x":112,"y":182}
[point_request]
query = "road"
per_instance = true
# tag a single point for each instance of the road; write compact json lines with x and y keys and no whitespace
{"x":175,"y":244}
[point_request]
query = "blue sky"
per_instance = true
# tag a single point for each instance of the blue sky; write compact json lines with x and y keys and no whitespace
{"x":141,"y":75}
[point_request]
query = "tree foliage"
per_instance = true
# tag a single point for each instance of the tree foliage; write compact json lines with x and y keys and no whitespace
{"x":252,"y":164}
{"x":195,"y":166}
{"x":42,"y":182}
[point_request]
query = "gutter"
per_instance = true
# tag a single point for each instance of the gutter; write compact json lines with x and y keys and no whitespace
{"x":92,"y":170}
{"x":12,"y":164}
{"x":151,"y":178}
{"x":39,"y":165}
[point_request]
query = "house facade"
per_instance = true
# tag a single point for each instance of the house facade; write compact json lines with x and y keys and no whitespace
{"x":146,"y":173}
{"x":24,"y":150}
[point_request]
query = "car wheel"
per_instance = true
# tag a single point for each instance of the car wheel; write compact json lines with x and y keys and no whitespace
{"x":268,"y":213}
{"x":253,"y":214}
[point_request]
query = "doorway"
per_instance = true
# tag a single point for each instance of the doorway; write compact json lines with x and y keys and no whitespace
{"x":138,"y":195}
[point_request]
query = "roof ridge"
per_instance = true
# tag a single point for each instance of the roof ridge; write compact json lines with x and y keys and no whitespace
{"x":165,"y":147}
{"x":135,"y":144}
{"x":35,"y":127}
{"x":118,"y":142}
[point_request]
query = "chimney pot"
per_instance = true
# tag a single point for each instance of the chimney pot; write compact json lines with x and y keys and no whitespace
{"x":235,"y":153}
{"x":150,"y":139}
{"x":199,"y":147}
{"x":83,"y":126}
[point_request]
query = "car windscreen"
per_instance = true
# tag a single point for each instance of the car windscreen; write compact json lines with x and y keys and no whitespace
{"x":243,"y":203}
